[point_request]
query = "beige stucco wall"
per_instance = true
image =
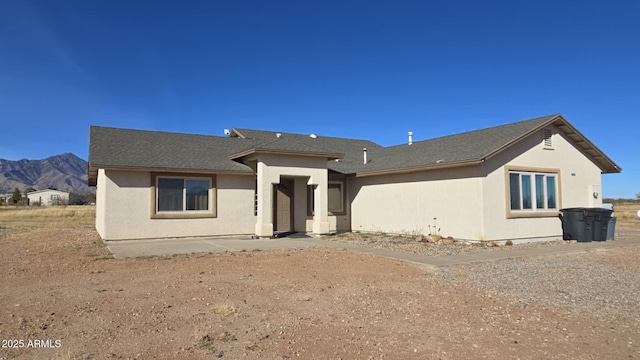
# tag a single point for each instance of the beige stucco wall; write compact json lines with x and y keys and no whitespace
{"x":101,"y":203}
{"x":471,"y":203}
{"x":123,"y":208}
{"x":578,"y":179}
{"x":407,"y":203}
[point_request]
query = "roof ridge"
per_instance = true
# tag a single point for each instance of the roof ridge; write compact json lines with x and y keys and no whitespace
{"x":157,"y":131}
{"x":387,"y":154}
{"x":478,"y":130}
{"x":239,"y":130}
{"x":291,"y":140}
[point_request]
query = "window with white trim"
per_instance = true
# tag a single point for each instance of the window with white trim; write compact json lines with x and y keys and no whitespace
{"x":178,"y":194}
{"x":531,"y":191}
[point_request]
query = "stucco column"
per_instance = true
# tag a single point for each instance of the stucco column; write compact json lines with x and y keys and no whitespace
{"x":321,"y":207}
{"x":264,"y":221}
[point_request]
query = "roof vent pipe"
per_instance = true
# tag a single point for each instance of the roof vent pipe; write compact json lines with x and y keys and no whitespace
{"x":410,"y":137}
{"x":364,"y":153}
{"x":278,"y":135}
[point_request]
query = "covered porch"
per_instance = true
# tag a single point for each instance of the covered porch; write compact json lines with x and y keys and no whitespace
{"x":291,"y":190}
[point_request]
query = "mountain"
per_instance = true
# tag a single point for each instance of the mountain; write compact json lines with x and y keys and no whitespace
{"x":65,"y":172}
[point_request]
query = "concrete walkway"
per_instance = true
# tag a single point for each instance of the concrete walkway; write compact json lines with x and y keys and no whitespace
{"x":144,"y":248}
{"x":161,"y":247}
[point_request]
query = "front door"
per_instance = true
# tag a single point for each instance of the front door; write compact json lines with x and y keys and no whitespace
{"x":283,"y":205}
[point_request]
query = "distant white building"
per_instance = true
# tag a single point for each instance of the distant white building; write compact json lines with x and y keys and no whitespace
{"x":48,"y":197}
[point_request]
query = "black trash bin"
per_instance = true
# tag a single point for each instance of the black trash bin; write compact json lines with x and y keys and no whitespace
{"x":575,"y":223}
{"x":601,"y":218}
{"x":585,"y":224}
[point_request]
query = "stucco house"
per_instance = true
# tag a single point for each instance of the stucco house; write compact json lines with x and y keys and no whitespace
{"x":48,"y":197}
{"x":504,"y":182}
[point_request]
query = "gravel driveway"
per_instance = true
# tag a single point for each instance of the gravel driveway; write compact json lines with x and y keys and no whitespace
{"x":604,"y":282}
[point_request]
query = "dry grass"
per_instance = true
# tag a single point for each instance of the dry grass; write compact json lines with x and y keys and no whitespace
{"x":225,"y":310}
{"x":208,"y":342}
{"x":627,"y":213}
{"x":36,"y":218}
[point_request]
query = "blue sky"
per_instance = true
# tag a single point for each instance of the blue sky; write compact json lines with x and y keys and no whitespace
{"x":363,"y":69}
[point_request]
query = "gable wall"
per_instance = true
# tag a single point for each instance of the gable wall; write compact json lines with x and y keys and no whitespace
{"x":575,"y":190}
{"x":123,"y":208}
{"x":407,"y":203}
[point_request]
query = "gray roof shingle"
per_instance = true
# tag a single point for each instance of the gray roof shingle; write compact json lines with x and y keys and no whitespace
{"x":111,"y":147}
{"x":351,"y":148}
{"x":287,"y":145}
{"x":156,"y":149}
{"x":467,"y":146}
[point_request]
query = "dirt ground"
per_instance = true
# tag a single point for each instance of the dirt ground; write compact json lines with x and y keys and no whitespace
{"x":60,"y":286}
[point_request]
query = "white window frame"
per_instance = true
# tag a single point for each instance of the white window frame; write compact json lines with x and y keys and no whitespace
{"x":534,"y":211}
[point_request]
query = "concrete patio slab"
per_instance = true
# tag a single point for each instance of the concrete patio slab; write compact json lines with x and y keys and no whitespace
{"x":142,"y":248}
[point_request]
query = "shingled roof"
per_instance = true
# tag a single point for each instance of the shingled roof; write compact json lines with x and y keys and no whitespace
{"x":464,"y":148}
{"x":168,"y":151}
{"x":473,"y":147}
{"x":350,"y":148}
{"x":281,"y":145}
{"x":124,"y":148}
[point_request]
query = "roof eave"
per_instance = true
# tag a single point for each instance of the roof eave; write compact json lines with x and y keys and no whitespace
{"x":43,"y":190}
{"x":599,"y":158}
{"x":410,"y":169}
{"x":93,"y":170}
{"x":605,"y":163}
{"x":524,"y":135}
{"x":329,"y":156}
